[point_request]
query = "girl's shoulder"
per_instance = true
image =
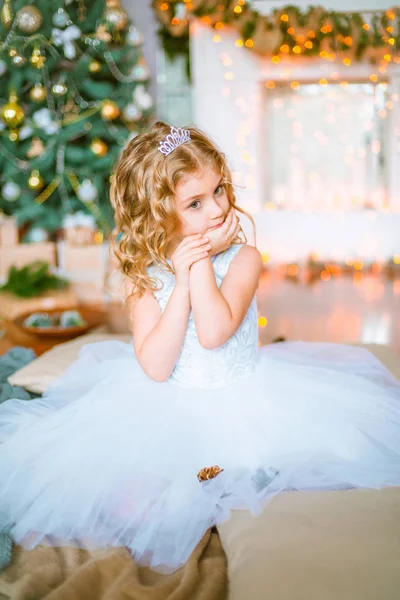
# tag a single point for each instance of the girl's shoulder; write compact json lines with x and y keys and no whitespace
{"x":246,"y":255}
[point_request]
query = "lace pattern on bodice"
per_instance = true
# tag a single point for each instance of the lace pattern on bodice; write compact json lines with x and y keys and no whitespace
{"x":198,"y":366}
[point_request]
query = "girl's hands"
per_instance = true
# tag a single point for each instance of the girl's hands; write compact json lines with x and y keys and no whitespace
{"x":221,"y":239}
{"x":191,"y":249}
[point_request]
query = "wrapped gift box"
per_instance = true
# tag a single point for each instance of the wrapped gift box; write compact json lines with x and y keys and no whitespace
{"x":85,"y":267}
{"x":78,"y":235}
{"x":8,"y":231}
{"x":79,"y":229}
{"x":12,"y":306}
{"x":24,"y":254}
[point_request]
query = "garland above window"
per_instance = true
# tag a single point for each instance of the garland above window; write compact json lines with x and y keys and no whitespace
{"x":372,"y":36}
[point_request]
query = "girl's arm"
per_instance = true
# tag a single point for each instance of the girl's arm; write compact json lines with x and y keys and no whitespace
{"x":217,"y":312}
{"x":157,"y":336}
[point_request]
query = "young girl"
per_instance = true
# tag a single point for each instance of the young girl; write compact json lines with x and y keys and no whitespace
{"x":116,"y":452}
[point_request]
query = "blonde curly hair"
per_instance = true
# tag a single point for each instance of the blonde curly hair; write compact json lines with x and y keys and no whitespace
{"x":142,"y":192}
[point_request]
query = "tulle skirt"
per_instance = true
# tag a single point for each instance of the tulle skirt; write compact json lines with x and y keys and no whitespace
{"x":109,"y":457}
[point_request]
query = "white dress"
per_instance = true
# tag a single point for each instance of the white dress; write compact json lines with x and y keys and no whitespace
{"x":108,"y":456}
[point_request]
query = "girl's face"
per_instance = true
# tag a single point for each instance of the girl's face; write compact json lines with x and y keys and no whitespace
{"x":201,"y":202}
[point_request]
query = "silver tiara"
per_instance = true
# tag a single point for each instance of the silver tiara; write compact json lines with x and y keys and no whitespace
{"x":176,"y":138}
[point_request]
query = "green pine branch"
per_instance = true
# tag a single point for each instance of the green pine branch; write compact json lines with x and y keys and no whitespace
{"x":32,"y":280}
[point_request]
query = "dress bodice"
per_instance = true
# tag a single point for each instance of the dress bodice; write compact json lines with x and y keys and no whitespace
{"x":197,"y":366}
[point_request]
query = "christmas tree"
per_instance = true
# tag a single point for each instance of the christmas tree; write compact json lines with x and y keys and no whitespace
{"x":72,"y":91}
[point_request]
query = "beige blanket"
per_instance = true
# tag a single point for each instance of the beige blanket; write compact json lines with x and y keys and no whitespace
{"x":68,"y":573}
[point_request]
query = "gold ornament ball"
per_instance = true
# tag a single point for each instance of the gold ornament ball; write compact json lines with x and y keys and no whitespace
{"x":12,"y":114}
{"x":38,"y":93}
{"x":110,"y":110}
{"x":12,"y":52}
{"x":98,"y":147}
{"x":29,"y":19}
{"x":95,"y":66}
{"x":35,"y":181}
{"x":115,"y":16}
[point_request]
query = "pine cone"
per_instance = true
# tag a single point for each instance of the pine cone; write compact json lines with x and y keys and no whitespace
{"x":208,"y":473}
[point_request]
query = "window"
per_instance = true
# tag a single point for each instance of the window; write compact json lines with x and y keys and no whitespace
{"x":327,"y":145}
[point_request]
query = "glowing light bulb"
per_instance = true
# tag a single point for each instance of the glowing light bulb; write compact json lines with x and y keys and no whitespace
{"x":265,"y":257}
{"x":325,"y":275}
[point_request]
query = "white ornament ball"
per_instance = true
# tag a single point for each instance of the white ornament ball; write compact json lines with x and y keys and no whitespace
{"x":140,"y":72}
{"x":37,"y":235}
{"x":18,"y":60}
{"x":134,"y":37}
{"x":10,"y":191}
{"x":87,"y":191}
{"x":131,"y":112}
{"x":142,"y":97}
{"x":59,"y":89}
{"x":60,"y":18}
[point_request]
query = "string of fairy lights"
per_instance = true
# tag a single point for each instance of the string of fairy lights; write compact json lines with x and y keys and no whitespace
{"x":372,"y":35}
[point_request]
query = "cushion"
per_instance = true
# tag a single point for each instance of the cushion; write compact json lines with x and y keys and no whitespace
{"x":36,"y":376}
{"x":42,"y":371}
{"x":335,"y":545}
{"x":330,"y":545}
{"x":389,"y":357}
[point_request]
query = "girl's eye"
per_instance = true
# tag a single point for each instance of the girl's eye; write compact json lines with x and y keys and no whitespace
{"x":195,"y":204}
{"x":219,"y":190}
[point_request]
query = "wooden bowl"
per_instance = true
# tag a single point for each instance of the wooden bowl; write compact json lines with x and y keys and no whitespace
{"x":93,"y":317}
